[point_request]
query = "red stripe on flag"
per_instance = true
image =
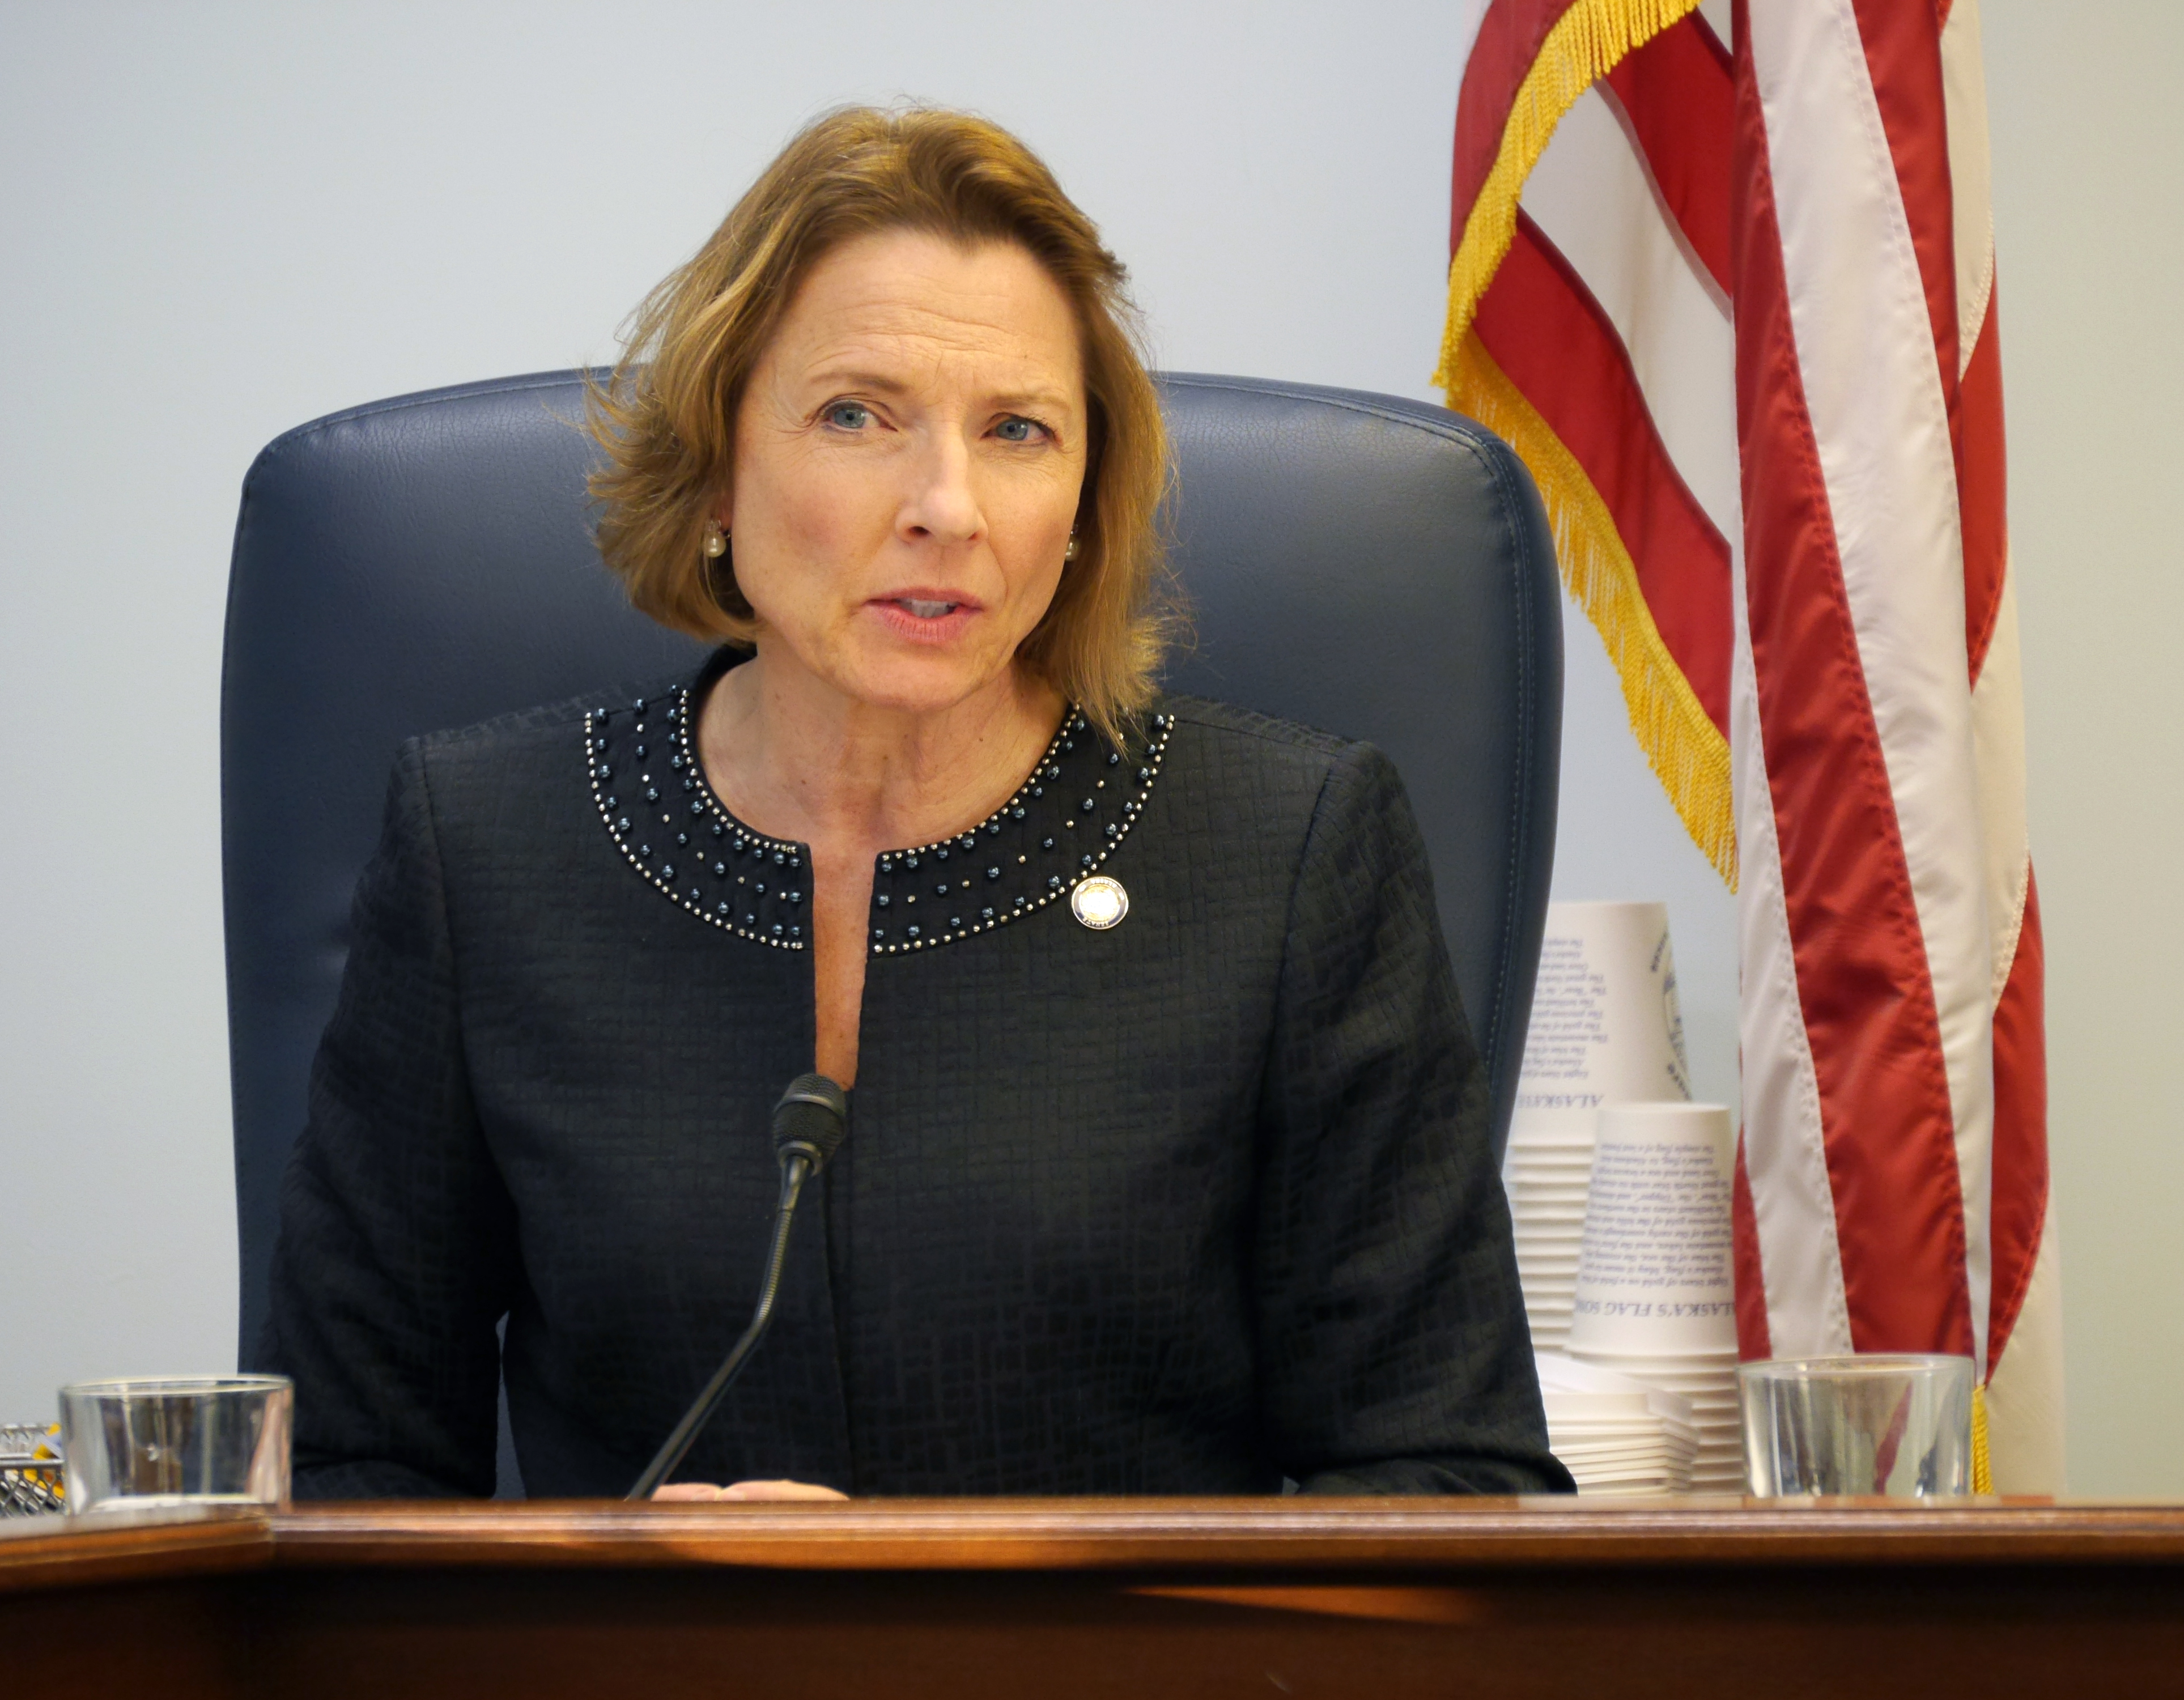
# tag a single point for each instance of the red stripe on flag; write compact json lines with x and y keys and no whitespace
{"x":1546,"y":331}
{"x":1752,"y":1342}
{"x":1509,"y":39}
{"x":1904,"y":57}
{"x":1680,"y":105}
{"x":2020,"y":1209}
{"x":1982,"y":490}
{"x":1862,"y":987}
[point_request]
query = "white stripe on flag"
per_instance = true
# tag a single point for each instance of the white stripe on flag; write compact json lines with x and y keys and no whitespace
{"x":1998,"y":748}
{"x":2024,"y":1398}
{"x":1971,"y":173}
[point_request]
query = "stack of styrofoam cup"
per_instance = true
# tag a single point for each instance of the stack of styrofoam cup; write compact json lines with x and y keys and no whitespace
{"x":1546,"y":1173}
{"x":1604,"y":1029}
{"x":1614,"y":1434}
{"x":1655,"y":1298}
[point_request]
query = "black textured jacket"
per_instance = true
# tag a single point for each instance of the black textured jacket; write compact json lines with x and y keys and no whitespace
{"x":1187,"y":1204}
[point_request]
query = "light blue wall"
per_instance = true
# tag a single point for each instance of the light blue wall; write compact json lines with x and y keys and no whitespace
{"x":2089,"y":229}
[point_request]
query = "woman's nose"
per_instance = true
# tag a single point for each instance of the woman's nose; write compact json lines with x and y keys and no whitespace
{"x":943,"y":502}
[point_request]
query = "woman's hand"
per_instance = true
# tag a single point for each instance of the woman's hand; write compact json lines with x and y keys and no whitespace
{"x":746,"y":1490}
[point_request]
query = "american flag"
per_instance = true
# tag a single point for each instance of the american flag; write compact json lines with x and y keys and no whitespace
{"x":1724,"y":276}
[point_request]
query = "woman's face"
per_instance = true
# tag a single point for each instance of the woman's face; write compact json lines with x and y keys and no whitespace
{"x":909,"y":454}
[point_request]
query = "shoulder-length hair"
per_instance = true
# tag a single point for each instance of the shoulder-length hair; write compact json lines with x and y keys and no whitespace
{"x":665,"y":415}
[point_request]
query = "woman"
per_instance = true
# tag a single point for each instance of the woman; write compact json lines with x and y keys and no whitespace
{"x":1168,"y":1169}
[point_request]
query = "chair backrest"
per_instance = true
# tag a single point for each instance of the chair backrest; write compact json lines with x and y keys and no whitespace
{"x":1376,"y":567}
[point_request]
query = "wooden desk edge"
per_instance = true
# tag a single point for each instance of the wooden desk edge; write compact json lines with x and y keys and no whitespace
{"x":1363,"y":1534}
{"x":70,"y":1553}
{"x":1353,"y":1537}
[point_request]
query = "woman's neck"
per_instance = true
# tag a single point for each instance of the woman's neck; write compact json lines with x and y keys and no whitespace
{"x":797,"y":759}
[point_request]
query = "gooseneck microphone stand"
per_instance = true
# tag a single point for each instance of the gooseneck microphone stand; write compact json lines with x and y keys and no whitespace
{"x":808,"y":1125}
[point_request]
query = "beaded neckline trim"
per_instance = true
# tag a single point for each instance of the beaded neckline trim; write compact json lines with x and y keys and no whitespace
{"x":1018,"y":859}
{"x":1069,"y":816}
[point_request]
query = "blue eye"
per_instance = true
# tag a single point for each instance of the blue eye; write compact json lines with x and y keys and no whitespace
{"x":849,"y":416}
{"x":1015,"y":429}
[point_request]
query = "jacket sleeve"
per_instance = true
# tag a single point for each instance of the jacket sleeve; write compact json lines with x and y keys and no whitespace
{"x":1394,"y":1353}
{"x":395,"y":1257}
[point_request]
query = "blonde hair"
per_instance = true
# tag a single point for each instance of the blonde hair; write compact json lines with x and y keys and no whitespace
{"x":665,"y":415}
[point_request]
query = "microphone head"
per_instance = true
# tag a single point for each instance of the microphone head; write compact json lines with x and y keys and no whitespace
{"x":812,"y":1120}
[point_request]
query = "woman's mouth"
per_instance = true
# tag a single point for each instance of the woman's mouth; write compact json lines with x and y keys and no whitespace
{"x":924,"y":617}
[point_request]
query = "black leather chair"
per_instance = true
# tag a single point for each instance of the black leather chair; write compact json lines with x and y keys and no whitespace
{"x":1377,"y":567}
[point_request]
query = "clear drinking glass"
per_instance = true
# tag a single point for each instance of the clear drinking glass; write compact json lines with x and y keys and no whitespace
{"x":198,"y":1440}
{"x":1897,"y":1424}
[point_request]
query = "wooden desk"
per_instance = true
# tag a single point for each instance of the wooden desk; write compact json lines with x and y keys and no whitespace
{"x":1053,"y":1599}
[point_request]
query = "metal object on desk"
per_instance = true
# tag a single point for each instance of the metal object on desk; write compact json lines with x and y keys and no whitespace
{"x":31,"y":1470}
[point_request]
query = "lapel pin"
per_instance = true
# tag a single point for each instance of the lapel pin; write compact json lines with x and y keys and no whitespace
{"x":1099,"y":902}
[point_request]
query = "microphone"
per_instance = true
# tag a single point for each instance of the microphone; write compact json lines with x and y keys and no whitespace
{"x":810,"y":1124}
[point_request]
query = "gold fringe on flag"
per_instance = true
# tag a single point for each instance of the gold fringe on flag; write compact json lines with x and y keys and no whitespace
{"x":1587,"y":42}
{"x":1686,"y":751}
{"x":1982,"y":1464}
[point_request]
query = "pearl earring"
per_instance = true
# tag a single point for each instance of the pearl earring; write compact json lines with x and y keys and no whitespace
{"x":1070,"y":553}
{"x":717,"y":540}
